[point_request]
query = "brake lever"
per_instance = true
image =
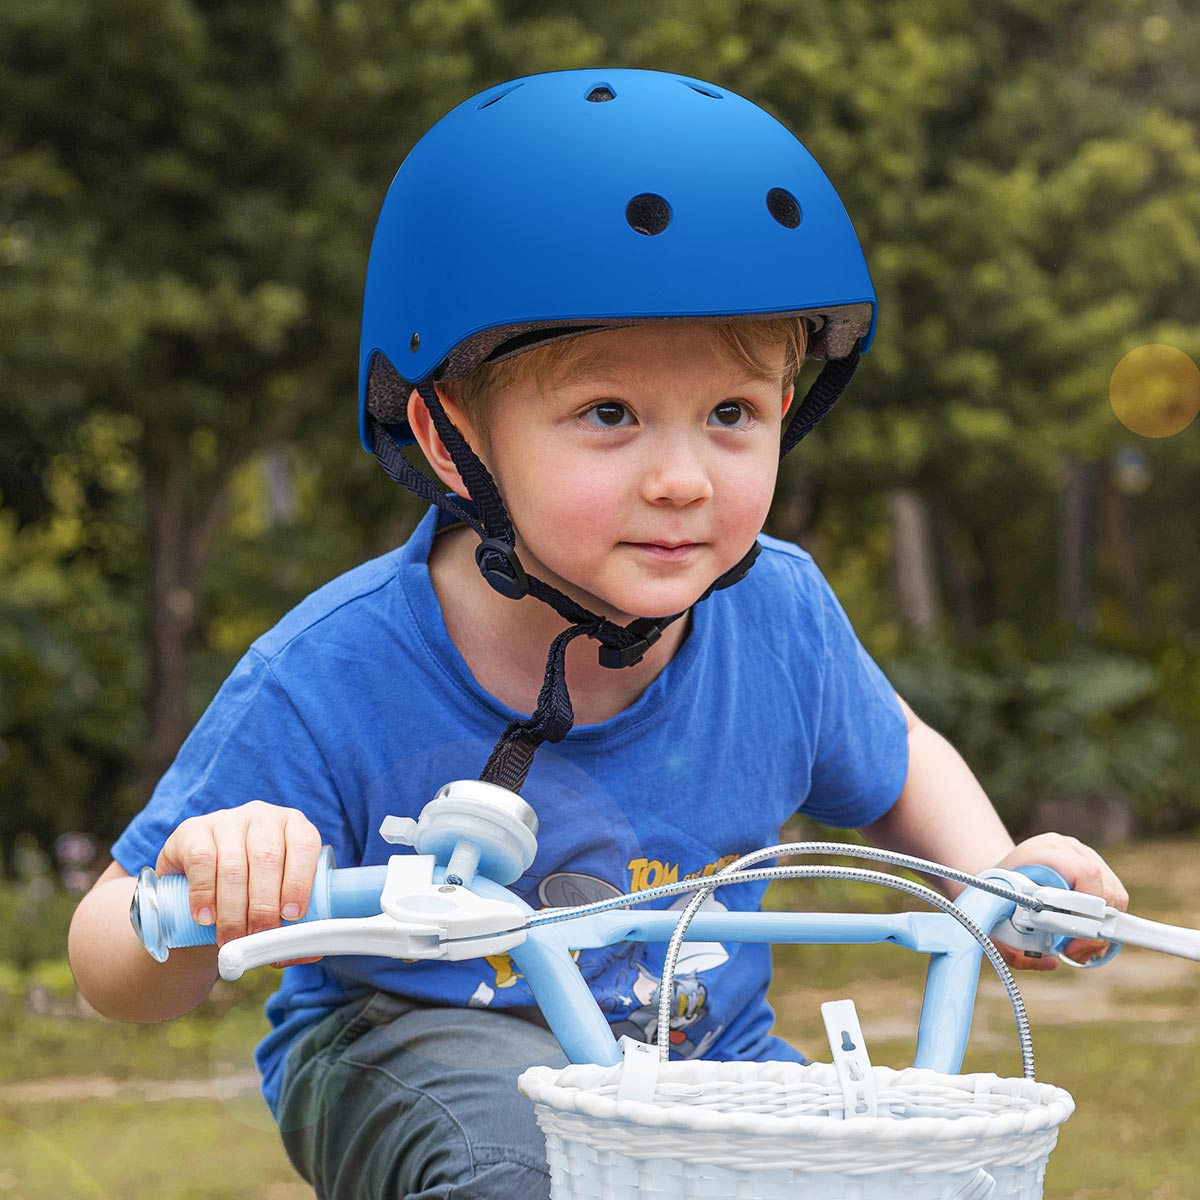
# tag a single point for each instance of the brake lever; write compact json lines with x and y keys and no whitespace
{"x":420,"y":919}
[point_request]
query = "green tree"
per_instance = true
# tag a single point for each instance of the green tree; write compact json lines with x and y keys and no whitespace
{"x":188,"y":194}
{"x":186,"y":200}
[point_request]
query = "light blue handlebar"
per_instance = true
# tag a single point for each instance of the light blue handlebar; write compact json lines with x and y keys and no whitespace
{"x":161,"y":915}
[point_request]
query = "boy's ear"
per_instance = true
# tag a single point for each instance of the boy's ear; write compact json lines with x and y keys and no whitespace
{"x":430,"y":441}
{"x":787,"y":402}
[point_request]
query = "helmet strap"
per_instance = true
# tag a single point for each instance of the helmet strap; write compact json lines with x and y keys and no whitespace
{"x":551,"y":721}
{"x":554,"y":716}
{"x":819,"y":398}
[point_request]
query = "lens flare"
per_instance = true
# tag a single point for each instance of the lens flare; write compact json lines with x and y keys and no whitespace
{"x":32,"y":1165}
{"x":1155,"y":391}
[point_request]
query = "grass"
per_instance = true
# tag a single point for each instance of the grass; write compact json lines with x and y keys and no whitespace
{"x":184,"y":1150}
{"x":1125,"y":1041}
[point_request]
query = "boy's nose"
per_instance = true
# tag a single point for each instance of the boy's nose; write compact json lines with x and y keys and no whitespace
{"x":677,"y":475}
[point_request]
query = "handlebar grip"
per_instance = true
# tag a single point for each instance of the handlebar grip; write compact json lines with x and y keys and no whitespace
{"x":161,"y":911}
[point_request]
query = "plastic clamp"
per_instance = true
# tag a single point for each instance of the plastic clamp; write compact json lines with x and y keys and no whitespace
{"x":646,"y":630}
{"x":850,"y":1059}
{"x":639,"y":1074}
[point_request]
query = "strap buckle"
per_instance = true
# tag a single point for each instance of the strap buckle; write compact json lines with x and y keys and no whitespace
{"x":506,"y":576}
{"x":647,"y":631}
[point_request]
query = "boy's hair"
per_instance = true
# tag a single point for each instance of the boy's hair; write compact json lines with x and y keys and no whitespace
{"x":744,"y":340}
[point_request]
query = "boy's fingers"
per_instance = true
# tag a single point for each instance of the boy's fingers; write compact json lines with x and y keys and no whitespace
{"x":191,"y":851}
{"x":1083,"y":950}
{"x":1096,"y":877}
{"x":300,"y":865}
{"x":266,"y":849}
{"x":1089,"y":876}
{"x":1019,"y":961}
{"x":233,"y":875}
{"x":1114,"y":890}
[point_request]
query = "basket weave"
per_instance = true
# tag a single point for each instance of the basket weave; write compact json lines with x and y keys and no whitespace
{"x":773,"y":1130}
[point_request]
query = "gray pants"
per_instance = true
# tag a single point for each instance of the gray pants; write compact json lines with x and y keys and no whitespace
{"x":383,"y":1101}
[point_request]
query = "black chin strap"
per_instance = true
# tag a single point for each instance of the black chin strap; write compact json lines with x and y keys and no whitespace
{"x":496,"y":556}
{"x":551,"y":721}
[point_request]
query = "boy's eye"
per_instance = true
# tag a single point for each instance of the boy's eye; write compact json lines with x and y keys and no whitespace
{"x":610,"y":414}
{"x":731,"y":414}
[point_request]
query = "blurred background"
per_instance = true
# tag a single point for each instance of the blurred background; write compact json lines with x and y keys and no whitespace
{"x":1005,"y":500}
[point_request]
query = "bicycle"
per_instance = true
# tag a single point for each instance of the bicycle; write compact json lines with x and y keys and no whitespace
{"x":625,"y":1121}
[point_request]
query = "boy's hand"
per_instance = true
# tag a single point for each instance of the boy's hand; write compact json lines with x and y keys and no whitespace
{"x":1085,"y":871}
{"x":248,"y":868}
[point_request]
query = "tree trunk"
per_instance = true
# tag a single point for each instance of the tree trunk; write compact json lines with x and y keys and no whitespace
{"x":1123,"y":543}
{"x":1076,"y":540}
{"x":987,"y":588}
{"x":180,"y":535}
{"x":948,"y":539}
{"x":916,"y":580}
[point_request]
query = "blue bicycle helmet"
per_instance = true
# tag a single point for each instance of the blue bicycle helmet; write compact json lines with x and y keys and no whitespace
{"x":575,"y":201}
{"x":588,"y":199}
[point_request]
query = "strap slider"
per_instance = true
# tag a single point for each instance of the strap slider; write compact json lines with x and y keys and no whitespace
{"x":646,"y":631}
{"x":507,"y":576}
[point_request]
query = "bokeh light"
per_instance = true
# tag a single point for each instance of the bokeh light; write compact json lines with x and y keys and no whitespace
{"x":1155,"y":391}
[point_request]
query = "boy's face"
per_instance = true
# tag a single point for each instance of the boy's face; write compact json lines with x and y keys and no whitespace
{"x":641,"y":470}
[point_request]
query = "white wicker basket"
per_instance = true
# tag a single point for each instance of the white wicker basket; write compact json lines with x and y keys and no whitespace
{"x":770,"y":1131}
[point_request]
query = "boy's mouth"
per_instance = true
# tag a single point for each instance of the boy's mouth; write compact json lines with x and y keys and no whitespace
{"x":668,"y":551}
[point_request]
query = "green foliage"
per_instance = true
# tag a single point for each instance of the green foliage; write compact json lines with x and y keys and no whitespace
{"x":35,"y":911}
{"x":186,"y":200}
{"x":71,"y":669}
{"x":1092,"y":723}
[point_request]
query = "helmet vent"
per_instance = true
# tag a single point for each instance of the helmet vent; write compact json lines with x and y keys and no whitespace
{"x":711,"y":93}
{"x":783,"y":206}
{"x":600,"y":93}
{"x":499,"y":96}
{"x":648,"y":214}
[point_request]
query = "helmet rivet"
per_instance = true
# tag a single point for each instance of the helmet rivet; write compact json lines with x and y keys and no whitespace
{"x":414,"y":342}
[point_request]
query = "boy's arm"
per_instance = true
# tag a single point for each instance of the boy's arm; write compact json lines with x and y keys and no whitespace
{"x":247,"y":868}
{"x":943,"y":814}
{"x":112,"y":969}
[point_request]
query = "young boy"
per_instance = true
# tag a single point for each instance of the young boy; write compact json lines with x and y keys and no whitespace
{"x":588,"y":297}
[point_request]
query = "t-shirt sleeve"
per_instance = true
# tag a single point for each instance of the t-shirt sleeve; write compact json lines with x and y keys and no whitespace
{"x":860,"y":761}
{"x":250,"y":744}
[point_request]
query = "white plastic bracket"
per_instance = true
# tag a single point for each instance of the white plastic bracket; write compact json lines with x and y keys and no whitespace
{"x":420,"y":920}
{"x":639,"y":1075}
{"x":1065,"y":914}
{"x":1019,"y":930}
{"x":466,"y":925}
{"x":850,"y":1058}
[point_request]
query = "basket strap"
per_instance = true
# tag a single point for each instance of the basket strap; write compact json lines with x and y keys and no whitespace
{"x":639,"y":1075}
{"x":850,"y":1058}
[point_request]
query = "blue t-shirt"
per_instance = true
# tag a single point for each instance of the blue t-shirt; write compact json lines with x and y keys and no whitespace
{"x":358,"y":705}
